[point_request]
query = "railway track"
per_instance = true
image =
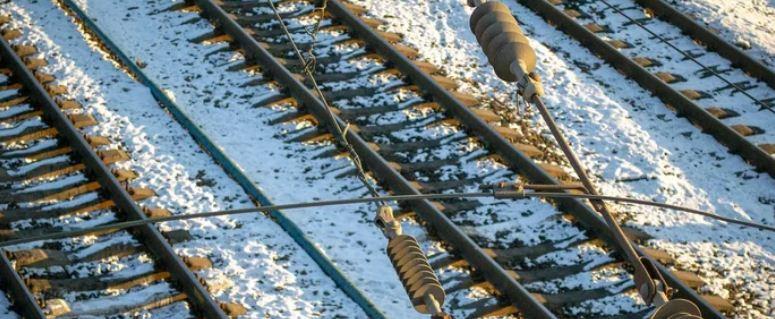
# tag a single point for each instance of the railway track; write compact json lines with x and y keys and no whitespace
{"x":55,"y":178}
{"x":416,"y":135}
{"x":673,"y":56}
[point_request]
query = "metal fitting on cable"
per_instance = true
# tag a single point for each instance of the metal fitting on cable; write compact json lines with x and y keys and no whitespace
{"x":411,"y":265}
{"x":387,"y":222}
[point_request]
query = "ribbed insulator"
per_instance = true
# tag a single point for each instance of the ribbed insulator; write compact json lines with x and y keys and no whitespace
{"x":501,"y":39}
{"x":677,"y":309}
{"x":415,"y":272}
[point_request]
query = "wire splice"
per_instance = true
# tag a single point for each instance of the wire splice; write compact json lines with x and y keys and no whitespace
{"x":309,"y":72}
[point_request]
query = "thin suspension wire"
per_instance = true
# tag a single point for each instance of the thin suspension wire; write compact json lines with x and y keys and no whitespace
{"x":309,"y":72}
{"x":399,"y":198}
{"x":665,"y":41}
{"x":312,"y":59}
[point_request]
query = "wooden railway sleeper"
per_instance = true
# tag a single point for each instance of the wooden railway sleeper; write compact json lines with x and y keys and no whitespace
{"x":514,"y":61}
{"x":81,"y":120}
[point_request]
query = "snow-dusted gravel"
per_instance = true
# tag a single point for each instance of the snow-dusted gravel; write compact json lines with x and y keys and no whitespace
{"x":287,"y":171}
{"x":255,"y":262}
{"x":746,"y":23}
{"x":632,"y":143}
{"x":714,"y":91}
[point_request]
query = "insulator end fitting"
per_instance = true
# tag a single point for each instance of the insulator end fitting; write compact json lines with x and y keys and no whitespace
{"x":390,"y":226}
{"x":416,"y":275}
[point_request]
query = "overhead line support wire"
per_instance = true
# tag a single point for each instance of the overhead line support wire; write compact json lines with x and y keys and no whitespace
{"x":497,"y":193}
{"x":309,"y":72}
{"x":411,"y":265}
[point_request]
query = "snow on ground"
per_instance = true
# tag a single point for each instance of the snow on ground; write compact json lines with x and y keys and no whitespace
{"x":218,"y":101}
{"x":746,"y":23}
{"x":287,"y":172}
{"x":629,"y":139}
{"x":5,"y":308}
{"x":258,"y":265}
{"x":632,"y":143}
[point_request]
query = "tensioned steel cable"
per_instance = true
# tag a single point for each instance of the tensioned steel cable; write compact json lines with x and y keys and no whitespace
{"x":312,"y":62}
{"x":688,"y":56}
{"x":509,"y":194}
{"x":341,"y":134}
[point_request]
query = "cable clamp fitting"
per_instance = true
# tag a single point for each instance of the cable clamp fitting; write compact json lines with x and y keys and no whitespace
{"x":505,"y":191}
{"x":390,"y":226}
{"x":530,"y":85}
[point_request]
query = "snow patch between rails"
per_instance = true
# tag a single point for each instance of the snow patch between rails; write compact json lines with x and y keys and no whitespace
{"x":745,"y":23}
{"x":267,"y":272}
{"x":631,"y":142}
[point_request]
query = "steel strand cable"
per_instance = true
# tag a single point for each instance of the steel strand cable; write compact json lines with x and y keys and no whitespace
{"x":688,"y":56}
{"x":411,"y":265}
{"x":309,"y":72}
{"x":497,"y":194}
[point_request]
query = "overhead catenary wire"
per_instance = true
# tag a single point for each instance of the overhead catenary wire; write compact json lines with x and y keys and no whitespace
{"x":689,"y":56}
{"x":309,"y":72}
{"x":425,"y":292}
{"x":500,"y":194}
{"x":312,"y":59}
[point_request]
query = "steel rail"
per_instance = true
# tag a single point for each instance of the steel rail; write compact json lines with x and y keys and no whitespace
{"x":688,"y":25}
{"x":598,"y":46}
{"x":447,"y":230}
{"x":516,"y":159}
{"x":148,"y":234}
{"x":683,"y":106}
{"x":688,"y":56}
{"x":21,"y":297}
{"x":233,"y":169}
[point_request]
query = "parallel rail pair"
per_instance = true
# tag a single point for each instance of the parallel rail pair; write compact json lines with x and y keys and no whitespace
{"x":94,"y":165}
{"x":240,"y":29}
{"x":480,"y":259}
{"x":712,"y":120}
